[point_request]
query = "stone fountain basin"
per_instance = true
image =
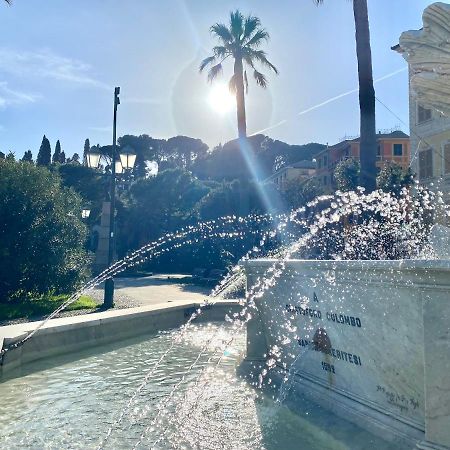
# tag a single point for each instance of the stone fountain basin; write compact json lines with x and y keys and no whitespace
{"x":367,"y":339}
{"x":72,"y":334}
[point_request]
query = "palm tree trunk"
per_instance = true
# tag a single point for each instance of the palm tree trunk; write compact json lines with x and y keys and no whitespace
{"x":240,"y":98}
{"x":368,"y":143}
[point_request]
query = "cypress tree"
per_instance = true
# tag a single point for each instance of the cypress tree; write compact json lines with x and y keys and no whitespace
{"x":57,"y":154}
{"x":62,"y":157}
{"x":45,"y":153}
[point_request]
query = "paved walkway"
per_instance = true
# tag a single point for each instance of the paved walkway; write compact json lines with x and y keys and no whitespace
{"x":156,"y":289}
{"x":131,"y":294}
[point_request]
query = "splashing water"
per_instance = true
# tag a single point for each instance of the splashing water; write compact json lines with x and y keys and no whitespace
{"x":347,"y":225}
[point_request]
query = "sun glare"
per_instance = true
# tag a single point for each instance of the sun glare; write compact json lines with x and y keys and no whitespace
{"x":220,"y":99}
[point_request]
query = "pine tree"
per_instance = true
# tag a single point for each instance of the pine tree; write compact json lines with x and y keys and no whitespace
{"x":57,"y":154}
{"x":87,"y":147}
{"x":45,"y":153}
{"x":27,"y":156}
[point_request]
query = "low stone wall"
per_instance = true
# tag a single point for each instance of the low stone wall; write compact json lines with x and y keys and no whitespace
{"x":72,"y":334}
{"x":371,"y":341}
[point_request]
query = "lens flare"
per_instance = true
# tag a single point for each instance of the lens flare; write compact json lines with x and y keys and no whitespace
{"x":220,"y":99}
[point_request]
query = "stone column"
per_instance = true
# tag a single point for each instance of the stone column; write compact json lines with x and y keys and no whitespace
{"x":101,"y":253}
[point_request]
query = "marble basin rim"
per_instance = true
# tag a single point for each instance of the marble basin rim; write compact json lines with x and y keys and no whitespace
{"x":375,"y":336}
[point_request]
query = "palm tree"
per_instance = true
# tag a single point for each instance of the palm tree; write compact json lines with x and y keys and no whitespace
{"x":241,"y":41}
{"x":368,"y":143}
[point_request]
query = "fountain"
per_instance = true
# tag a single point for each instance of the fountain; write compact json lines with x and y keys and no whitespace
{"x":365,"y":337}
{"x":377,"y":336}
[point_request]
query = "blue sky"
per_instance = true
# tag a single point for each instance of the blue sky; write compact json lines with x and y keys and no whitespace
{"x":60,"y":60}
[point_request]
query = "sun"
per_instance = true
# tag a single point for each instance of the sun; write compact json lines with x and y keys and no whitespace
{"x":220,"y":99}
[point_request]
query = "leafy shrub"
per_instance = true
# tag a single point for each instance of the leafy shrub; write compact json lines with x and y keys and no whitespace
{"x":41,"y":233}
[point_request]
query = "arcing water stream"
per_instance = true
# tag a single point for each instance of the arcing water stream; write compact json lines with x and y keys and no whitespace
{"x":345,"y":226}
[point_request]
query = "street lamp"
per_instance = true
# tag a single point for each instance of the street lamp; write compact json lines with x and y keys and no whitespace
{"x":119,"y":163}
{"x":119,"y":168}
{"x":85,"y":213}
{"x":127,"y":157}
{"x":93,"y":159}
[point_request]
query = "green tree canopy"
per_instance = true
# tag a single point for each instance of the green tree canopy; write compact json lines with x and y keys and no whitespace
{"x":158,"y":205}
{"x":346,"y":174}
{"x":298,"y":193}
{"x":41,"y":233}
{"x":237,"y":198}
{"x":88,"y":183}
{"x":28,"y":156}
{"x":392,"y":178}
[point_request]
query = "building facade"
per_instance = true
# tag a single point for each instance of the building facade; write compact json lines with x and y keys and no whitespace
{"x":393,"y":147}
{"x":300,"y":171}
{"x":427,"y":53}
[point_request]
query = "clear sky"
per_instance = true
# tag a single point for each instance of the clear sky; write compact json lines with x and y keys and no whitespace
{"x":60,"y":60}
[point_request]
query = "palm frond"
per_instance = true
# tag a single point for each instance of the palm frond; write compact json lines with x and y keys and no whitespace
{"x":248,"y":60}
{"x":318,"y":2}
{"x":220,"y":51}
{"x":250,"y":25}
{"x":236,"y":24}
{"x":222,"y":32}
{"x":257,"y":39}
{"x":232,"y":85}
{"x":8,"y":1}
{"x":261,"y":57}
{"x":214,"y":72}
{"x":260,"y":78}
{"x":206,"y":62}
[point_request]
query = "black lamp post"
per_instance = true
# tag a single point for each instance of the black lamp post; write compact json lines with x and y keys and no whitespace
{"x":119,"y":163}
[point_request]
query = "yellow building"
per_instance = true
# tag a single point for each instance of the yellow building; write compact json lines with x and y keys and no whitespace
{"x":301,"y":171}
{"x":393,"y":147}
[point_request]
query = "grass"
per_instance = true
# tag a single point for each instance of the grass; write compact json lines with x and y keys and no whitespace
{"x":42,"y":306}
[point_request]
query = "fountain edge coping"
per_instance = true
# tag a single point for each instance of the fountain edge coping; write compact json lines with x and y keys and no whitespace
{"x":70,"y":334}
{"x":401,"y":264}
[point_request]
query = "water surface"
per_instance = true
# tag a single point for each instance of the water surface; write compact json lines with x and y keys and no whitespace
{"x":74,"y":402}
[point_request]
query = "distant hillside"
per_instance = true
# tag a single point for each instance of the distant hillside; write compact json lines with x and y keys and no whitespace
{"x":256,"y":161}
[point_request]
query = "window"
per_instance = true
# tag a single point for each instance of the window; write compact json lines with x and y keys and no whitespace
{"x":423,"y":114}
{"x":447,"y":158}
{"x":425,"y":164}
{"x":325,"y":180}
{"x":397,"y":149}
{"x":379,"y":155}
{"x":319,"y":163}
{"x":325,"y":161}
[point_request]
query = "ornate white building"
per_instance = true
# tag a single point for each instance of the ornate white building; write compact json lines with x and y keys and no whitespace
{"x":427,"y":52}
